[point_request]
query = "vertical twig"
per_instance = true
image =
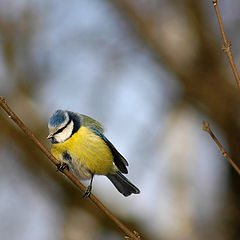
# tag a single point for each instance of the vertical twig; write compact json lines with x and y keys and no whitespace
{"x":227,"y":44}
{"x":99,"y":204}
{"x":227,"y":49}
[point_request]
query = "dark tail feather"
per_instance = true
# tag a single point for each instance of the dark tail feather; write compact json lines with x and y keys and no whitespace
{"x":122,"y":184}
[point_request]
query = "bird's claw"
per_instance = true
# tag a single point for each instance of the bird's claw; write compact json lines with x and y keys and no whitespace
{"x":88,"y":192}
{"x":62,"y":166}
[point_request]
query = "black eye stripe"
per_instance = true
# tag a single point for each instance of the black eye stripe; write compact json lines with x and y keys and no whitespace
{"x":61,"y":129}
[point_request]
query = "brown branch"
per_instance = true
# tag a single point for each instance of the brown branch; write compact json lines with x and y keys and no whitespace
{"x":206,"y":127}
{"x":227,"y":44}
{"x":227,"y":49}
{"x":14,"y":117}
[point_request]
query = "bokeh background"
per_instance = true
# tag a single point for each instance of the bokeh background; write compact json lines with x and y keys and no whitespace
{"x":150,"y":71}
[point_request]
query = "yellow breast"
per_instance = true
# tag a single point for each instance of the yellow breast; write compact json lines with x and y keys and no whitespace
{"x":86,"y":148}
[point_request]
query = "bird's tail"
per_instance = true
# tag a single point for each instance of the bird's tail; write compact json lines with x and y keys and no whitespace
{"x":122,"y":184}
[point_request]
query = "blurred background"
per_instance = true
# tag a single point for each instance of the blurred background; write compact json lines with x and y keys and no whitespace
{"x":150,"y":71}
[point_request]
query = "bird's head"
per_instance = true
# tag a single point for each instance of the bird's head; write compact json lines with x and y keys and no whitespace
{"x":60,"y":126}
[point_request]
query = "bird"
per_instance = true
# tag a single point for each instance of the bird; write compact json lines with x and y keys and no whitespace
{"x":79,"y":143}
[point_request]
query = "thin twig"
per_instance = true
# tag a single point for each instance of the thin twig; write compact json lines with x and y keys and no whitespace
{"x":20,"y":124}
{"x":206,"y":127}
{"x":227,"y":44}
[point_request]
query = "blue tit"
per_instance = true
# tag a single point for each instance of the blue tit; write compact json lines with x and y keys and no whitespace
{"x":79,"y":144}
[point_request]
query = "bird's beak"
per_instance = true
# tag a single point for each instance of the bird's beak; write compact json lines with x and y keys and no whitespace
{"x":50,"y":135}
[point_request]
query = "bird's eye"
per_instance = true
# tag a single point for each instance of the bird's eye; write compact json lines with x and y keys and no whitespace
{"x":53,"y":140}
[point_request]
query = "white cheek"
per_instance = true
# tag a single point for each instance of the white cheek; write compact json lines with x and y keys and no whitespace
{"x":65,"y":134}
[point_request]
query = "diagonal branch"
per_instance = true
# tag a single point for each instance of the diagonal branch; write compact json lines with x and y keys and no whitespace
{"x":206,"y":127}
{"x":227,"y":44}
{"x":14,"y":117}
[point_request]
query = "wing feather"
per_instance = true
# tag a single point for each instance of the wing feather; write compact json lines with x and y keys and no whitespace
{"x":119,"y":160}
{"x":98,"y":129}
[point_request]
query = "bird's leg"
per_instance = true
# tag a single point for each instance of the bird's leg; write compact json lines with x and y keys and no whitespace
{"x":62,"y":166}
{"x":89,"y":188}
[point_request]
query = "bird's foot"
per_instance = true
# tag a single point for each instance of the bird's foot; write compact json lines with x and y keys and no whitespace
{"x":62,"y":166}
{"x":88,"y":192}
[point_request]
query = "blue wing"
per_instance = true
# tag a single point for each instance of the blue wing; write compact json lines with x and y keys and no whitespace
{"x":119,"y":160}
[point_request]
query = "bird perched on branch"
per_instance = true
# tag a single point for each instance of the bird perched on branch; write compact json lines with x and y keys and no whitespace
{"x":79,"y":144}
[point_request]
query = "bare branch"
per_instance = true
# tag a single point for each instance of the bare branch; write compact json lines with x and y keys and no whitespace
{"x":137,"y":235}
{"x":99,"y":204}
{"x":206,"y":127}
{"x":227,"y":44}
{"x":227,"y":49}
